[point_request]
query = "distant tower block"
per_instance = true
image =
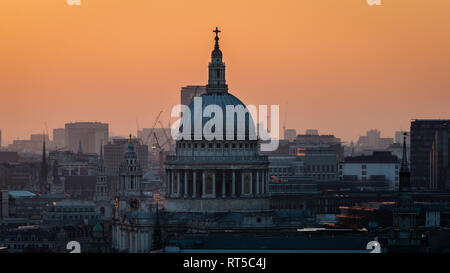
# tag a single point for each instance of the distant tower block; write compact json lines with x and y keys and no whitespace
{"x":189,"y":92}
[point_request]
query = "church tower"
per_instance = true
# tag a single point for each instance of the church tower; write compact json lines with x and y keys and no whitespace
{"x":101,"y":188}
{"x":216,"y":78}
{"x":404,"y":237}
{"x":130,"y":173}
{"x":43,"y":178}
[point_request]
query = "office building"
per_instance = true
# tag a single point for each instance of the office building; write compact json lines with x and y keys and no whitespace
{"x":439,"y":161}
{"x":59,"y":138}
{"x":115,"y":150}
{"x":423,"y":134}
{"x":377,"y":167}
{"x":189,"y":92}
{"x":87,"y":135}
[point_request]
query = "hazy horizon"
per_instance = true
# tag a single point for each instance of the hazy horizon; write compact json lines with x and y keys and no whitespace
{"x":342,"y":67}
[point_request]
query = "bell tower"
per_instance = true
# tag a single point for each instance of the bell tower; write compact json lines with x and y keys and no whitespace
{"x":130,"y":173}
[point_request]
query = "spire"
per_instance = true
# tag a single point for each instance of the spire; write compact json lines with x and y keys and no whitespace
{"x":404,"y":166}
{"x":216,"y":78}
{"x":405,"y":175}
{"x":100,"y":167}
{"x":44,"y":170}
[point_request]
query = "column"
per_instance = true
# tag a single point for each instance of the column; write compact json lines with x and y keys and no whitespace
{"x":266,"y":189}
{"x":203,"y":184}
{"x":223,"y":184}
{"x":214,"y":183}
{"x":178,"y":184}
{"x":242,"y":184}
{"x":257,"y":182}
{"x":185,"y":184}
{"x":171,"y":183}
{"x":194,"y":184}
{"x":251,"y":182}
{"x":233,"y":184}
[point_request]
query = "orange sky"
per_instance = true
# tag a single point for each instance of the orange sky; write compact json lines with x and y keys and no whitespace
{"x":341,"y":66}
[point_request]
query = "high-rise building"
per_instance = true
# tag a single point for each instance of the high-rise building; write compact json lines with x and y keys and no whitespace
{"x":189,"y":92}
{"x":114,"y":151}
{"x":373,"y":137}
{"x":423,"y":134}
{"x":440,"y":161}
{"x":59,"y":137}
{"x":0,"y":138}
{"x":90,"y":134}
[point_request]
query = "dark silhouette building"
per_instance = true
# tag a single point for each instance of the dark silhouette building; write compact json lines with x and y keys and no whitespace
{"x":423,"y":133}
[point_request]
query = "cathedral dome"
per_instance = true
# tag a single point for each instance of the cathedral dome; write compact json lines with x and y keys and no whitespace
{"x":217,"y":95}
{"x":223,"y":100}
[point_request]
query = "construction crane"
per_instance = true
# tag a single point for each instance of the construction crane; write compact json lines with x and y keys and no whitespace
{"x":161,"y":155}
{"x":153,"y":128}
{"x":168,"y":139}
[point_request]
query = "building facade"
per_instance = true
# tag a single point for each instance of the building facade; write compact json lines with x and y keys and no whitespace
{"x":440,"y":161}
{"x":89,"y":135}
{"x":189,"y":92}
{"x":114,"y":151}
{"x":423,"y":134}
{"x":133,"y":221}
{"x":380,"y":166}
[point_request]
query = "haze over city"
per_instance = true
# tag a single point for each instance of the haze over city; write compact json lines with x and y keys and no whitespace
{"x":343,"y":67}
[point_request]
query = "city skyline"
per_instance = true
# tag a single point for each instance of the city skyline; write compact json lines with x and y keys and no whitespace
{"x":109,"y":61}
